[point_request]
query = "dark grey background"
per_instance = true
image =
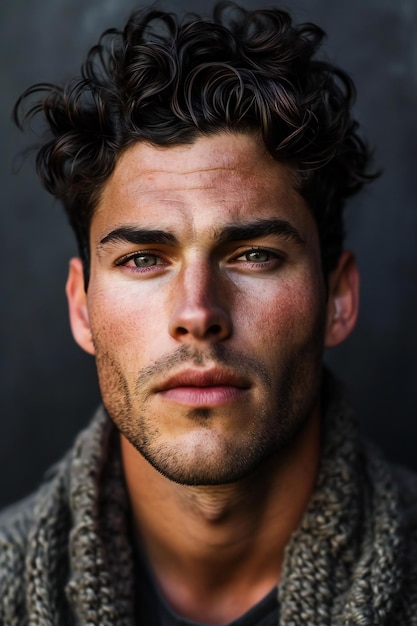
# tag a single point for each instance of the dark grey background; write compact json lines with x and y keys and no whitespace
{"x":48,"y":385}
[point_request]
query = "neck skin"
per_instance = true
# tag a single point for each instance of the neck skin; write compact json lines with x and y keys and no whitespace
{"x":216,"y":551}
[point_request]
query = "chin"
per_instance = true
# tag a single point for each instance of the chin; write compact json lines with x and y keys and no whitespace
{"x":207,"y":457}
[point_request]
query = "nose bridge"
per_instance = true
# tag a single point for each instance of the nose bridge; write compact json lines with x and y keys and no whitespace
{"x":198,"y":283}
{"x":200,"y":308}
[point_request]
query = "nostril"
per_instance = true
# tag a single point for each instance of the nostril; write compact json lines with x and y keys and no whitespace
{"x":215,"y":329}
{"x":200,"y":323}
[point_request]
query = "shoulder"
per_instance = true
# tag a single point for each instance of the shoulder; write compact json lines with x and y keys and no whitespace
{"x":14,"y":518}
{"x":15,"y":524}
{"x":17,"y":520}
{"x":18,"y":527}
{"x":407,"y":489}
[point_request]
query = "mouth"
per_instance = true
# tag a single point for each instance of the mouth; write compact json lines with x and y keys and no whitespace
{"x":204,"y":389}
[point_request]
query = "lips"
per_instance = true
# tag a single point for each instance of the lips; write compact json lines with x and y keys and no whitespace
{"x":211,"y":378}
{"x":196,"y":388}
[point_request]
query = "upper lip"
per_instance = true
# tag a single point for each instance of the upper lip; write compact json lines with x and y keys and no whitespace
{"x":207,"y":378}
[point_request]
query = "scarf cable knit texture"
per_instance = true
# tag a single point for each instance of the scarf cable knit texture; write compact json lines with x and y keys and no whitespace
{"x":66,"y":558}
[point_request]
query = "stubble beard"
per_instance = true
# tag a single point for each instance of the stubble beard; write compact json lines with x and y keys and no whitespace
{"x":215,"y":459}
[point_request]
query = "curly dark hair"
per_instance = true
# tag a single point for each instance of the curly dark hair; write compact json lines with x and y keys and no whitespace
{"x":167,"y":82}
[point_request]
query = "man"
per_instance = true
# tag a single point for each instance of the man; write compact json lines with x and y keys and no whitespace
{"x":204,"y":166}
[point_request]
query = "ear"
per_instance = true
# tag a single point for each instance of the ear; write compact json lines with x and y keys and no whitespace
{"x":77,"y":304}
{"x":343,"y":300}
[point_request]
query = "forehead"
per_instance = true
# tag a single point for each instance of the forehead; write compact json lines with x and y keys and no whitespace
{"x":223,"y":178}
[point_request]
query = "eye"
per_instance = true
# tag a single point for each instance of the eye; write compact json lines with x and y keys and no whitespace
{"x":142,"y":260}
{"x":258,"y":259}
{"x":257,"y":256}
{"x":145,"y":260}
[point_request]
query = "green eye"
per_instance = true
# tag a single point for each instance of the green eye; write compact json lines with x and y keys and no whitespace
{"x":145,"y":260}
{"x":257,"y":256}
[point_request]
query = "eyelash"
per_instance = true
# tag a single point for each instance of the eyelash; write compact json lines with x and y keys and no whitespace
{"x":130,"y":257}
{"x":274,"y":257}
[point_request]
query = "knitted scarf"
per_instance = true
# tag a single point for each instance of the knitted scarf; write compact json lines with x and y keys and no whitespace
{"x":65,"y":556}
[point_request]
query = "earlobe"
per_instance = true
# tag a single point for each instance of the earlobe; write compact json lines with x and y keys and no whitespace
{"x":77,"y":304}
{"x":343,"y":300}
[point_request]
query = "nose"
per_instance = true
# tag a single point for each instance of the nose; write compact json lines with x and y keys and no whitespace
{"x":199,"y":307}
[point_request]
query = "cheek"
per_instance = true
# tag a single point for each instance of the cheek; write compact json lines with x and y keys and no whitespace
{"x":120,"y":325}
{"x":284,"y":313}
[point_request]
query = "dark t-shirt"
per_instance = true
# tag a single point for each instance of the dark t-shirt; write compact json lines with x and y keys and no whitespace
{"x":152,"y":610}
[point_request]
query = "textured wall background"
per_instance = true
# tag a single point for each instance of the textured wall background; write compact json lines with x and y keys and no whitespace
{"x":48,"y":386}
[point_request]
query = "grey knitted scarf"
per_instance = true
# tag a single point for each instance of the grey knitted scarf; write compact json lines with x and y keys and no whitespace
{"x":65,"y":555}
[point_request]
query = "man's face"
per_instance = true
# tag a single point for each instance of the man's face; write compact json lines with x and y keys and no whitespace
{"x":206,"y":306}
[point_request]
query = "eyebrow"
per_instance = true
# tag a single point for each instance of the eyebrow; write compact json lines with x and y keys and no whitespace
{"x":228,"y":234}
{"x":260,"y":228}
{"x":133,"y":234}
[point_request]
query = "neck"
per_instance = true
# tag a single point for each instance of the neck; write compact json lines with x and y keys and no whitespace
{"x":222,"y":542}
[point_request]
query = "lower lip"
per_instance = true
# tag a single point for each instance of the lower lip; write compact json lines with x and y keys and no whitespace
{"x":203,"y":396}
